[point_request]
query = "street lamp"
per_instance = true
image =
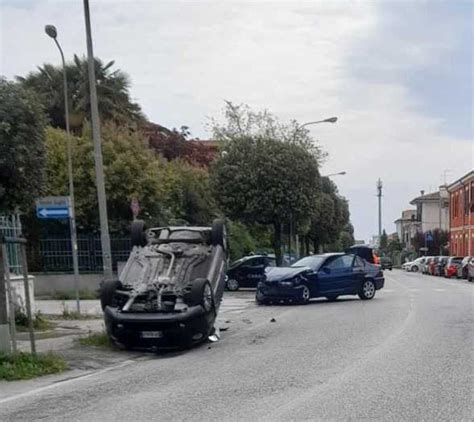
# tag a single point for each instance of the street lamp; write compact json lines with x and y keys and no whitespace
{"x":328,"y":120}
{"x":53,"y":33}
{"x":341,"y":173}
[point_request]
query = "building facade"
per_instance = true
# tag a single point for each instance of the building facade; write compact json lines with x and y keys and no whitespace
{"x":461,"y":215}
{"x":407,"y":226}
{"x":432,"y":210}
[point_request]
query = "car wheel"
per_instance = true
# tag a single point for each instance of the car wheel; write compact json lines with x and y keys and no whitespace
{"x":138,"y":233}
{"x":332,"y":298}
{"x":107,"y":292}
{"x":469,"y":278}
{"x":367,"y":290}
{"x":415,"y":268}
{"x":218,"y":233}
{"x":232,"y":284}
{"x":260,"y":297}
{"x":305,"y":294}
{"x":200,"y":293}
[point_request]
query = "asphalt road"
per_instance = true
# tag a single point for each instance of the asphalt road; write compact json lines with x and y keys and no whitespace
{"x":406,"y":355}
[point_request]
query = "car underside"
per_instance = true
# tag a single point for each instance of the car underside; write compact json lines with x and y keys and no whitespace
{"x":169,"y":292}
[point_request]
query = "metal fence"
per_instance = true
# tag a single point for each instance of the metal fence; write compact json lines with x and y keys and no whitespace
{"x":55,"y":253}
{"x":11,"y":226}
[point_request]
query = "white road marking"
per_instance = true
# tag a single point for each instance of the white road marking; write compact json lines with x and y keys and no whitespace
{"x":66,"y":381}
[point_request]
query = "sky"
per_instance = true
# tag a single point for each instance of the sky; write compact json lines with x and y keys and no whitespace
{"x":397,"y":74}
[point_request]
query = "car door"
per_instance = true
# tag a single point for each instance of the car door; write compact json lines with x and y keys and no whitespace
{"x":336,"y":275}
{"x":358,"y":272}
{"x":252,"y":272}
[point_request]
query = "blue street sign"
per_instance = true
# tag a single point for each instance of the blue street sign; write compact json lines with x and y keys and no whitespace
{"x":52,"y":207}
{"x":428,"y":237}
{"x":52,"y":212}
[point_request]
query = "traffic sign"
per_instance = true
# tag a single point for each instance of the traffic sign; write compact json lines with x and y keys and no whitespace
{"x":428,"y":237}
{"x":53,"y":207}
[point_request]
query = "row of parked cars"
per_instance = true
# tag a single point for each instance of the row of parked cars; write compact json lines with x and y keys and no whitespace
{"x":447,"y":266}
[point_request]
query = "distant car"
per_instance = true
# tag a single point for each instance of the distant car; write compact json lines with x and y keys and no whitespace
{"x":451,"y":268}
{"x":418,"y":264}
{"x":463,"y":268}
{"x":432,"y":265}
{"x":386,"y":263}
{"x":414,"y":266}
{"x":426,"y":263}
{"x":329,"y":275}
{"x":248,"y":271}
{"x":364,"y":252}
{"x":470,"y":269}
{"x":439,"y":267}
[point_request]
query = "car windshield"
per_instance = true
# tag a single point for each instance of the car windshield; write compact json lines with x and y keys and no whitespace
{"x":313,"y":262}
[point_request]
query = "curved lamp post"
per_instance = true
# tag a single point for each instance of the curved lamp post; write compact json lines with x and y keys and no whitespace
{"x":53,"y":33}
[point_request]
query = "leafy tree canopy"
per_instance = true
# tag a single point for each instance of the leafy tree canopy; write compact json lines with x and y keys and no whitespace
{"x":21,"y":147}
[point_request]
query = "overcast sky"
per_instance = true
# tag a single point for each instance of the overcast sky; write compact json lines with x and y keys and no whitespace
{"x":398,"y":74}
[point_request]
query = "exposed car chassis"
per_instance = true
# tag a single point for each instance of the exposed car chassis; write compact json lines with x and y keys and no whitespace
{"x":169,"y":292}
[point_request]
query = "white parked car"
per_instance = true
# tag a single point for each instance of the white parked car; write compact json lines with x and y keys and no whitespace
{"x":414,"y":266}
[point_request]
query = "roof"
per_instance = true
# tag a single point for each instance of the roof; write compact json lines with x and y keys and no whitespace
{"x":434,"y":196}
{"x":460,"y":181}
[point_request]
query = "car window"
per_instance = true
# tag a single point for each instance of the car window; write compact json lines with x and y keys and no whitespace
{"x":271,"y":262}
{"x":256,"y":262}
{"x":344,"y":261}
{"x":358,"y":262}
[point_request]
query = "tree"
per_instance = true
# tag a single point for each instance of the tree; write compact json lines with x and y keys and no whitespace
{"x":131,"y":170}
{"x":256,"y":180}
{"x":21,"y":147}
{"x":329,"y":219}
{"x":113,"y":94}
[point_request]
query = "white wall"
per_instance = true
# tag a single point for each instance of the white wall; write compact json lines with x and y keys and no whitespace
{"x":430,"y":217}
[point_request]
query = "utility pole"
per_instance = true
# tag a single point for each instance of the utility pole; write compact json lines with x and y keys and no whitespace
{"x":99,"y":170}
{"x":379,"y":195}
{"x":5,"y":338}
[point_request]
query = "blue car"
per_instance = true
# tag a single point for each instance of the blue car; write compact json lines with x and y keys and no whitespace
{"x":329,"y":275}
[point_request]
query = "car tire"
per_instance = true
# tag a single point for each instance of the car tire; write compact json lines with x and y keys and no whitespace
{"x":218,"y":233}
{"x":232,"y":285}
{"x":138,"y":235}
{"x":305,"y":295}
{"x":200,"y":293}
{"x":367,"y":290}
{"x":260,"y":297}
{"x":414,"y":268}
{"x":332,"y":298}
{"x":107,"y":292}
{"x":469,"y":278}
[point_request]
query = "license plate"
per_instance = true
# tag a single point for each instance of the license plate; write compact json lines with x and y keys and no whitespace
{"x":152,"y":334}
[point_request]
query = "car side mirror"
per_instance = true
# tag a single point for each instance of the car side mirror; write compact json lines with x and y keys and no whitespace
{"x":327,"y":270}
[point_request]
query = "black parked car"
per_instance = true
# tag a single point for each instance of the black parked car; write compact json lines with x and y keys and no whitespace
{"x":364,"y":252}
{"x":170,"y":289}
{"x":248,"y":271}
{"x":329,"y":275}
{"x":386,"y":263}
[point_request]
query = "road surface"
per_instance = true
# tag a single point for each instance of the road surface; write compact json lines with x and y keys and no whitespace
{"x":406,"y":355}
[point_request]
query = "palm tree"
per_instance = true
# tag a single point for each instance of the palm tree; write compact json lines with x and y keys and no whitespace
{"x":112,"y":93}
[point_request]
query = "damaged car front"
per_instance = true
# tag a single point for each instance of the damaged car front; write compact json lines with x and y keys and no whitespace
{"x":170,"y":289}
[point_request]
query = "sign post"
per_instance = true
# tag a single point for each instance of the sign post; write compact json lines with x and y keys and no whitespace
{"x":57,"y":208}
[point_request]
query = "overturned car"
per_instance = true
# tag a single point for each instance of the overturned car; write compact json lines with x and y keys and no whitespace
{"x":169,"y":292}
